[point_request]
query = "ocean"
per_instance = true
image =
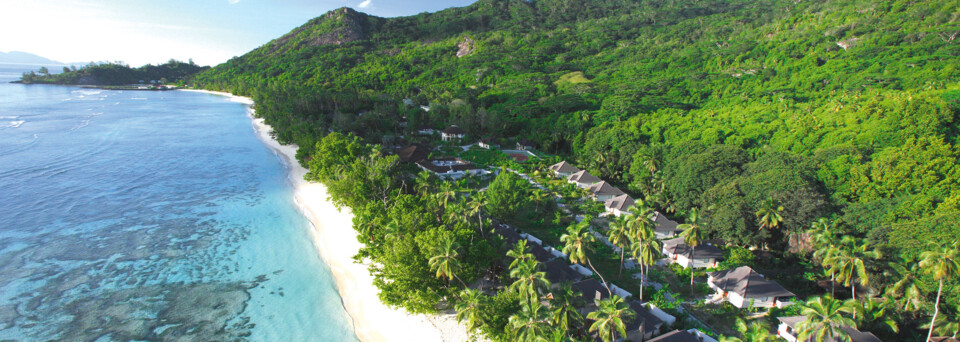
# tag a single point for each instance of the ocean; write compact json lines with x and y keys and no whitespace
{"x":129,"y":215}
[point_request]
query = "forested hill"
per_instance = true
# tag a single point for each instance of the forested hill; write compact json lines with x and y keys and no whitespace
{"x":115,"y":74}
{"x":838,"y":109}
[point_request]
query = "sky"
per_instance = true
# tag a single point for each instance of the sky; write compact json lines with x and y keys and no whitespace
{"x":138,"y":32}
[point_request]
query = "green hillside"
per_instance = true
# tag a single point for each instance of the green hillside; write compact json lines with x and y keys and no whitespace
{"x":845,"y":110}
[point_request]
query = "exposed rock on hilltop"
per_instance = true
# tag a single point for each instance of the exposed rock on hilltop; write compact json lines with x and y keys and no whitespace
{"x":337,"y":27}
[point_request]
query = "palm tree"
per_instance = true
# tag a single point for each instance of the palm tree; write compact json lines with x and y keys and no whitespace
{"x":692,"y":235}
{"x":850,"y":263}
{"x":769,"y":214}
{"x":646,"y":251}
{"x":755,"y":332}
{"x":564,"y":313}
{"x":538,"y":197}
{"x":609,"y":318}
{"x":392,"y":230}
{"x":446,"y":193}
{"x":942,"y":262}
{"x":824,"y":320}
{"x":823,"y":235}
{"x":475,"y":207}
{"x":424,"y":182}
{"x":874,"y":314}
{"x":530,"y":324}
{"x":519,"y":253}
{"x":469,"y":307}
{"x":947,"y":324}
{"x":908,"y":287}
{"x":576,"y":245}
{"x":529,"y":280}
{"x":444,"y":260}
{"x":619,"y":235}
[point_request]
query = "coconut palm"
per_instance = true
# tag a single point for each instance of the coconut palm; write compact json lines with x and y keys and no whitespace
{"x":769,"y":215}
{"x":529,"y":280}
{"x":577,"y":243}
{"x":444,"y":260}
{"x":941,"y":262}
{"x":646,"y":250}
{"x":849,"y":264}
{"x":446,"y":192}
{"x":469,"y":307}
{"x":825,"y":318}
{"x":475,"y":207}
{"x":947,"y":324}
{"x":519,"y":253}
{"x":692,"y":235}
{"x":609,"y":318}
{"x":538,"y":197}
{"x":531,"y":324}
{"x":907,"y":288}
{"x":874,"y":313}
{"x":392,"y":230}
{"x":425,"y":182}
{"x":755,"y":332}
{"x":619,"y":235}
{"x":564,"y":313}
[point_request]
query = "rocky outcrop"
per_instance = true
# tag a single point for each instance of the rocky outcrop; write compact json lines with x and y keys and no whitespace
{"x":337,"y":27}
{"x":466,"y":47}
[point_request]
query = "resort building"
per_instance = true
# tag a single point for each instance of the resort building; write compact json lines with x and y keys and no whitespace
{"x":582,"y":179}
{"x":453,"y":168}
{"x":414,"y":153}
{"x":788,"y":325}
{"x":488,"y":143}
{"x":644,"y":324}
{"x":426,"y":131}
{"x":563,"y":169}
{"x":524,"y":144}
{"x":705,"y":255}
{"x":558,"y":272}
{"x":692,"y":335}
{"x":619,"y":205}
{"x":743,"y":287}
{"x":453,"y":133}
{"x":603,"y":191}
{"x":663,"y":227}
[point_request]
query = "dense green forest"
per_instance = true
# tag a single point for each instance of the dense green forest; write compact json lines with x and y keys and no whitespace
{"x":840,"y":116}
{"x":115,"y":74}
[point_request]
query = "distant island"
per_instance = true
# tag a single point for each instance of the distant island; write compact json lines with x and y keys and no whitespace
{"x":19,"y":57}
{"x":114,"y":75}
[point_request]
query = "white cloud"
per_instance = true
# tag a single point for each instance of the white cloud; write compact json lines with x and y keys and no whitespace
{"x":233,"y":2}
{"x":365,"y":4}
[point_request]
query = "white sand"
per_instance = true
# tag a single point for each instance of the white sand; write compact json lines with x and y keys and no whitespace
{"x":337,"y":243}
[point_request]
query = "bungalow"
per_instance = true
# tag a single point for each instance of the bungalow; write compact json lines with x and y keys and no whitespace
{"x":591,"y":291}
{"x":582,"y":179}
{"x":558,"y":271}
{"x":563,"y":169}
{"x":619,"y":205}
{"x":426,"y":131}
{"x":488,"y":143}
{"x":742,"y":286}
{"x":540,"y":253}
{"x":664,"y":227}
{"x":705,"y":255}
{"x":603,"y":191}
{"x":524,"y":144}
{"x":414,"y":153}
{"x":692,"y":335}
{"x":452,"y":133}
{"x":788,"y":325}
{"x":453,"y":168}
{"x":644,"y":324}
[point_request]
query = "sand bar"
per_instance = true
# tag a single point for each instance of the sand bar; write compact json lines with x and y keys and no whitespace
{"x":337,"y":243}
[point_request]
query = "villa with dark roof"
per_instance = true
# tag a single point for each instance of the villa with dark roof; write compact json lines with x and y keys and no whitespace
{"x":619,"y":205}
{"x":583,"y":179}
{"x":788,"y":325}
{"x":705,"y":255}
{"x":603,"y":191}
{"x":563,"y":169}
{"x":664,"y":227}
{"x":644,"y":324}
{"x":743,"y":287}
{"x":453,"y":133}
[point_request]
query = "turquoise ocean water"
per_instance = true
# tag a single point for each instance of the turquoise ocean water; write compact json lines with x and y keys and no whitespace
{"x":131,"y":215}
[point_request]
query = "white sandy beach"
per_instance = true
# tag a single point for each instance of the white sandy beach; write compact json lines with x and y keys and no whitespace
{"x":337,"y":243}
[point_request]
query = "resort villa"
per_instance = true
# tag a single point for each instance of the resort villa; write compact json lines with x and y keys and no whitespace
{"x":603,"y":191}
{"x":583,"y":179}
{"x":453,"y":133}
{"x":644,"y":325}
{"x":692,"y":335}
{"x":664,"y":227}
{"x":453,"y":168}
{"x":563,"y":169}
{"x":788,"y":325}
{"x":524,"y":144}
{"x":488,"y":143}
{"x":743,"y":287}
{"x":619,"y":205}
{"x":705,"y":255}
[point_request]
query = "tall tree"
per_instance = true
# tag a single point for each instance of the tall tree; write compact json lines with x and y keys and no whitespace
{"x":907,"y":288}
{"x":531,"y":324}
{"x":444,"y":260}
{"x":769,"y":215}
{"x":609,"y":318}
{"x":755,"y":332}
{"x":941,"y":262}
{"x":646,"y":250}
{"x":564,"y":313}
{"x":849,"y":264}
{"x":825,"y":242}
{"x":825,"y":318}
{"x":576,"y":245}
{"x":529,"y":280}
{"x":520,"y":253}
{"x":470,"y":307}
{"x":692,"y":236}
{"x":475,"y":207}
{"x":619,"y":235}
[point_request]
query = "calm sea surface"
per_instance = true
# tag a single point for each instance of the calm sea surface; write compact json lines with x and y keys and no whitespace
{"x":131,"y":215}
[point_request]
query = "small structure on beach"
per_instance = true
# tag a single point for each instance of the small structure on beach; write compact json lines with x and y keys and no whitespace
{"x":563,"y":169}
{"x":705,"y":255}
{"x":663,"y":227}
{"x":619,"y":205}
{"x":788,"y":325}
{"x":453,"y":133}
{"x":582,"y":179}
{"x":603,"y":191}
{"x":743,"y":287}
{"x":453,"y":168}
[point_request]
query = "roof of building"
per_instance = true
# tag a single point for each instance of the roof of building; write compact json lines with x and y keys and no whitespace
{"x":644,"y":316}
{"x":855,"y":335}
{"x":459,"y":165}
{"x":676,"y":336}
{"x":525,"y":142}
{"x":604,"y":188}
{"x":591,"y":289}
{"x":454,"y":130}
{"x":583,"y":177}
{"x":748,"y":283}
{"x":703,"y":251}
{"x":663,"y":224}
{"x":414,"y":153}
{"x":564,"y":167}
{"x":558,"y":271}
{"x":539,"y":252}
{"x":621,"y":203}
{"x":489,"y":140}
{"x":509,"y":235}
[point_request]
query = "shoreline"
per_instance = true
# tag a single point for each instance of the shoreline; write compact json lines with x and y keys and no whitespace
{"x":336,"y":242}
